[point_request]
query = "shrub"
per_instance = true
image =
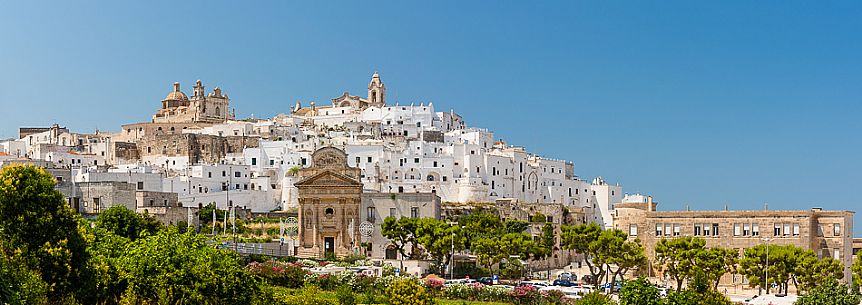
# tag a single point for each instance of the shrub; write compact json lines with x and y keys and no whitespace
{"x":554,"y":297}
{"x":639,"y":292}
{"x":596,"y":298}
{"x":309,"y":295}
{"x":434,"y":285}
{"x":275,"y":273}
{"x":408,"y":292}
{"x":354,"y":258}
{"x":324,"y":281}
{"x":19,"y":284}
{"x":525,"y":294}
{"x":829,"y":292}
{"x":345,"y":296}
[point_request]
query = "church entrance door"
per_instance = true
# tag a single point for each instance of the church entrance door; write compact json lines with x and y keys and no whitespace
{"x":328,"y":246}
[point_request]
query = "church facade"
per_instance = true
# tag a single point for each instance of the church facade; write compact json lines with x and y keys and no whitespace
{"x":329,"y":198}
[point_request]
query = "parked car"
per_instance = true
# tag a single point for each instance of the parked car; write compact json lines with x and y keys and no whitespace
{"x":563,"y":283}
{"x":662,"y":291}
{"x":486,"y":280}
{"x":537,"y":284}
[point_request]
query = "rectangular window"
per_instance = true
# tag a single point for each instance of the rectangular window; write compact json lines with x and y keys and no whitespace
{"x":253,"y":161}
{"x":836,"y":229}
{"x":776,"y":230}
{"x":745,"y":229}
{"x":697,"y":229}
{"x":795,"y":229}
{"x":715,"y":229}
{"x":414,"y":212}
{"x":659,"y":229}
{"x":370,"y":214}
{"x":836,"y":254}
{"x":237,"y":174}
{"x":369,"y":159}
{"x":706,"y":230}
{"x":415,"y":160}
{"x":676,"y":229}
{"x":271,"y":162}
{"x":737,"y":229}
{"x":786,"y":229}
{"x":391,"y":212}
{"x":358,"y":159}
{"x":633,"y":230}
{"x":667,"y":228}
{"x":755,"y":229}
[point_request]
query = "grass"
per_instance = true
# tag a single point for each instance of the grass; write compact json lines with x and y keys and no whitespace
{"x":459,"y":302}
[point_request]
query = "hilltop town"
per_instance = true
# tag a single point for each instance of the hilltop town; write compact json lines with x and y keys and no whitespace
{"x":336,"y":170}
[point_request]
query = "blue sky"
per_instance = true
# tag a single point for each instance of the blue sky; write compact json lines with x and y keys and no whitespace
{"x":694,"y":102}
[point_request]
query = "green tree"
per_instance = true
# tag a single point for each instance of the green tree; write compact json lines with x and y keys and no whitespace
{"x":205,"y":214}
{"x":479,"y":225}
{"x":37,"y":226}
{"x":677,"y":257}
{"x":173,"y":268}
{"x":715,"y":262}
{"x":604,"y":250}
{"x":489,"y":252}
{"x":857,"y":273}
{"x":621,"y":252}
{"x":811,"y":271}
{"x":121,"y":221}
{"x":436,"y":238}
{"x":829,"y":292}
{"x":639,"y":292}
{"x":516,"y":226}
{"x":19,"y":285}
{"x":401,"y":232}
{"x":784,"y":263}
{"x":583,"y":239}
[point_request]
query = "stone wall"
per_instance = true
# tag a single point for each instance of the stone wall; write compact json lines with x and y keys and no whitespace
{"x":198,"y":148}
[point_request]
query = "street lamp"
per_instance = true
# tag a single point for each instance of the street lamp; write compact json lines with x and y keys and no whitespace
{"x":767,"y":240}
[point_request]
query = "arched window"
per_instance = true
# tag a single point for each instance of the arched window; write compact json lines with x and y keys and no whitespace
{"x":329,"y":212}
{"x":374,"y":97}
{"x":430,"y":177}
{"x":218,"y":111}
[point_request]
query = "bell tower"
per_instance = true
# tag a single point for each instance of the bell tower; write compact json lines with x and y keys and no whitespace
{"x":376,"y":91}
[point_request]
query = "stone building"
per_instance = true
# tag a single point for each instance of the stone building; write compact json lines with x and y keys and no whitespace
{"x":99,"y":196}
{"x":378,"y":206}
{"x":827,"y":233}
{"x":329,"y":198}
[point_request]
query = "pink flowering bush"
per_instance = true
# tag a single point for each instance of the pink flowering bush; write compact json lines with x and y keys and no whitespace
{"x":286,"y":275}
{"x":435,"y":285}
{"x":527,"y":294}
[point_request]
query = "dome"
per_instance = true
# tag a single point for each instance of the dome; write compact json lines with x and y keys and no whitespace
{"x":176,"y":95}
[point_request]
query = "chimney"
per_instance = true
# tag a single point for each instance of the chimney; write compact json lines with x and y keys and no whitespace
{"x":650,"y":207}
